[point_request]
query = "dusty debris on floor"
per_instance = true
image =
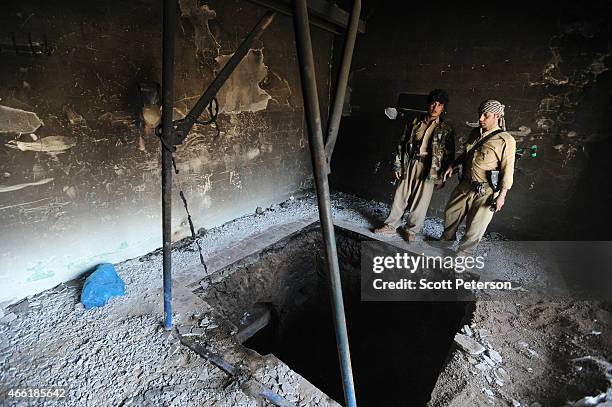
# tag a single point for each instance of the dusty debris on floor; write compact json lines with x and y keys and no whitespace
{"x":506,"y":353}
{"x":533,"y":354}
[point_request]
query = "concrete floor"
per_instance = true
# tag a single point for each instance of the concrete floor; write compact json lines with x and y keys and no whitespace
{"x":119,"y":355}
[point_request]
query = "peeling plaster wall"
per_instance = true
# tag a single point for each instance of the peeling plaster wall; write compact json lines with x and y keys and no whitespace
{"x":548,"y":62}
{"x":80,"y":177}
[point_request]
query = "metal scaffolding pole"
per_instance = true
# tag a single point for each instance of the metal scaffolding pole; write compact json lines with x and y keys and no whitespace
{"x":173,"y":133}
{"x":169,"y":26}
{"x":343,"y":76}
{"x":319,"y":166}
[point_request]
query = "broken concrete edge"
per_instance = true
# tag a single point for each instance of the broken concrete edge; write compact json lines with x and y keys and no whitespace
{"x":220,"y":345}
{"x":220,"y":266}
{"x":254,"y":373}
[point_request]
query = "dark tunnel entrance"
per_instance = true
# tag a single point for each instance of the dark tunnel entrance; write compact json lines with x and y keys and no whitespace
{"x":397,"y":348}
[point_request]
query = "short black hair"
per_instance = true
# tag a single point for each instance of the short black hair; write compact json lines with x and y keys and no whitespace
{"x":438,"y":95}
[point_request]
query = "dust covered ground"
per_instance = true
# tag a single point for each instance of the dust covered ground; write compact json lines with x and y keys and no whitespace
{"x":118,"y":355}
{"x":551,"y":354}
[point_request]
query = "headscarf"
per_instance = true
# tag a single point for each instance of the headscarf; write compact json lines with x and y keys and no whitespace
{"x":493,"y":106}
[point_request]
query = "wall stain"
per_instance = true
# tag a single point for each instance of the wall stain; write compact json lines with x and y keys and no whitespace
{"x":16,"y":187}
{"x":18,"y":121}
{"x":199,"y":16}
{"x":566,"y":79}
{"x":241,"y":92}
{"x":51,"y":144}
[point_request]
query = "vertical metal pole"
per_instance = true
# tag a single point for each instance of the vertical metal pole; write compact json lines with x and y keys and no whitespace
{"x":317,"y":155}
{"x":169,"y":26}
{"x":342,"y":81}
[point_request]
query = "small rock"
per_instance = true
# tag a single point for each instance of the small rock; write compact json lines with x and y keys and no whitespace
{"x":468,"y":344}
{"x":197,"y":331}
{"x":207,"y":323}
{"x":483,"y":333}
{"x":501,"y":374}
{"x":500,"y":383}
{"x":515,"y":403}
{"x":482,"y":366}
{"x":488,"y":360}
{"x":488,"y":392}
{"x":259,"y":210}
{"x":494,"y":355}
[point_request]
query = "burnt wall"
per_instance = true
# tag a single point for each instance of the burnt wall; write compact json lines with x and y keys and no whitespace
{"x":79,"y":164}
{"x":548,"y":62}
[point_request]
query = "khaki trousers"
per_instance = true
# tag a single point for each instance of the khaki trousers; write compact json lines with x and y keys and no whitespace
{"x":465,"y":203}
{"x":414,"y":192}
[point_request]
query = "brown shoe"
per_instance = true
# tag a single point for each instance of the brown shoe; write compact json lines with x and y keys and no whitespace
{"x":408,"y":235}
{"x":385,"y":230}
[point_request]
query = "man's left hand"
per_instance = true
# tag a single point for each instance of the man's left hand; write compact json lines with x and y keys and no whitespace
{"x":499,"y":203}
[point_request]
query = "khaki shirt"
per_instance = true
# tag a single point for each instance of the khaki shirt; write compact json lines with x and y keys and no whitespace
{"x":423,"y":131}
{"x":497,"y":153}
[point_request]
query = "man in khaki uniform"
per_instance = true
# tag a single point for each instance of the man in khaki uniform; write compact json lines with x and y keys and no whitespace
{"x":489,"y":148}
{"x":425,"y":150}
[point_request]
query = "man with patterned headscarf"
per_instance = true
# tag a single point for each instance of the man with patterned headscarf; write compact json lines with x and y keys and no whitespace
{"x":425,"y":150}
{"x":487,"y":175}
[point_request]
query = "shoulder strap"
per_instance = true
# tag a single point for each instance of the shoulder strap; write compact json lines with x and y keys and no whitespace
{"x":484,"y":139}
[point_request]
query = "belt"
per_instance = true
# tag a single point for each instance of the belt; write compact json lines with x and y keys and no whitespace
{"x":480,"y":188}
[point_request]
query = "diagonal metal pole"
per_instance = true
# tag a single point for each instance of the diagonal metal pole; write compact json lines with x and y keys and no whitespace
{"x":341,"y":82}
{"x":169,"y":26}
{"x":317,"y":155}
{"x":184,"y":126}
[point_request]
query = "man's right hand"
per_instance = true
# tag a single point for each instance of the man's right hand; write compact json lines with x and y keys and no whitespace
{"x":398,"y":175}
{"x":448,"y":173}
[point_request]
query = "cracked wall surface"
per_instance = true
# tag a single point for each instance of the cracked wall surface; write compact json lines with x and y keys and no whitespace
{"x":79,"y":162}
{"x":552,"y":74}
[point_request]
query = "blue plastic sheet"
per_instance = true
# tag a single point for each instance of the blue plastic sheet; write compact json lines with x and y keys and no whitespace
{"x":101,"y":285}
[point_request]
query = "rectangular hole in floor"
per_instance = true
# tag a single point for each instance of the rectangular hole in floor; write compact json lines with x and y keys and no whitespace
{"x":397,"y":348}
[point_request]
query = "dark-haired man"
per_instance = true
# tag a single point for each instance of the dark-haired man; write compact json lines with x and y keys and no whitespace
{"x":425,"y":150}
{"x":489,"y":149}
